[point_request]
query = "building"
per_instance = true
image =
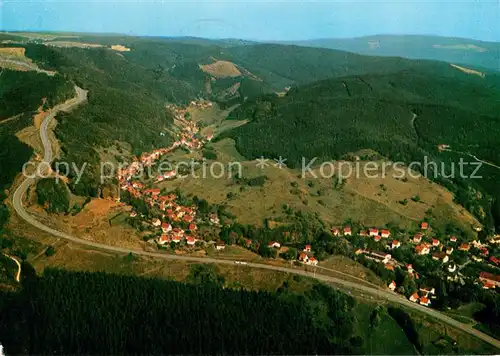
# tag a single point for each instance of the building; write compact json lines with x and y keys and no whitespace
{"x":389,"y":267}
{"x":335,"y":231}
{"x":428,"y":290}
{"x":133,"y":214}
{"x":449,"y":250}
{"x":312,"y":261}
{"x":452,"y":268}
{"x":191,"y":241}
{"x":395,"y":244}
{"x":424,"y":225}
{"x":494,"y":260}
{"x":214,"y":219}
{"x":303,"y":257}
{"x":417,"y":238}
{"x":373,"y":232}
{"x":156,"y":222}
{"x":166,"y":227}
{"x":440,"y":256}
{"x":494,"y":240}
{"x":274,"y":244}
{"x":414,"y":297}
{"x":425,"y":301}
{"x":379,"y":256}
{"x":307,"y":248}
{"x":422,"y":249}
{"x":490,"y":279}
{"x":435,"y":242}
{"x":392,"y":286}
{"x":464,"y":247}
{"x":385,"y":233}
{"x":347,"y":231}
{"x":453,"y":239}
{"x":377,"y":238}
{"x":220,"y":245}
{"x":163,"y":239}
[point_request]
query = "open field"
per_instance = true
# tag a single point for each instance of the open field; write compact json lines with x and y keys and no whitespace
{"x":12,"y":52}
{"x":14,"y":58}
{"x":370,"y":201}
{"x":41,"y":36}
{"x":65,"y":44}
{"x":463,"y":47}
{"x":346,"y":265}
{"x":468,"y":71}
{"x":221,"y":69}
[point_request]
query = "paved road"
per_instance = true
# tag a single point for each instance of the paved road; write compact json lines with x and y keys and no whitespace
{"x":28,"y":66}
{"x":372,"y":291}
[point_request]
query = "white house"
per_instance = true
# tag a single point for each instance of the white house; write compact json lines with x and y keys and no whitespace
{"x":392,"y":286}
{"x":274,"y":244}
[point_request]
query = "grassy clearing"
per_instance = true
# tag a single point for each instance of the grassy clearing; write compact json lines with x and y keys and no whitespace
{"x":381,"y":334}
{"x":346,"y":265}
{"x":359,"y":199}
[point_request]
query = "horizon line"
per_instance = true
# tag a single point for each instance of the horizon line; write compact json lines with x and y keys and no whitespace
{"x":6,"y":31}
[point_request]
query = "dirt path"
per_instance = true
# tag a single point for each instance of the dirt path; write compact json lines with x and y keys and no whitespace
{"x":18,"y":274}
{"x":472,"y":156}
{"x":10,"y":119}
{"x":413,"y":123}
{"x":27,"y":66}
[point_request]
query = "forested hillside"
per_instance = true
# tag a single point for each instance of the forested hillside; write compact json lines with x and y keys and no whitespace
{"x":128,"y":90}
{"x":22,"y":92}
{"x":331,"y":118}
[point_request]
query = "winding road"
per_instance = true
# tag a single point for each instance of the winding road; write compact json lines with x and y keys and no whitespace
{"x":20,"y":192}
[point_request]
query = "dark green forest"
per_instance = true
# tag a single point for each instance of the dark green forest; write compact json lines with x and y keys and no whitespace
{"x":53,"y":195}
{"x":22,"y":92}
{"x":96,"y":313}
{"x":332,"y":118}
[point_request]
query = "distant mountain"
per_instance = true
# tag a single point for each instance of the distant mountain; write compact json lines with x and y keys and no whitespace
{"x":449,"y":49}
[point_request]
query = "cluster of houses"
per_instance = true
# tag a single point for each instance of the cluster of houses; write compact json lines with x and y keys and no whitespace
{"x":423,"y":296}
{"x":173,"y":215}
{"x":306,"y":256}
{"x":489,"y":280}
{"x":438,"y":250}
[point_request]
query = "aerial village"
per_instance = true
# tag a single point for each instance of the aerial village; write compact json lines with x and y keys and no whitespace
{"x":178,"y":223}
{"x":422,"y":243}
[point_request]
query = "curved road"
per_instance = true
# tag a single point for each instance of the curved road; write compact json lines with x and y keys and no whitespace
{"x":382,"y":294}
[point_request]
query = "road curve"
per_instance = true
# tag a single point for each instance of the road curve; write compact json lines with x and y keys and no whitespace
{"x":473,"y":156}
{"x":383,"y":294}
{"x":18,"y":274}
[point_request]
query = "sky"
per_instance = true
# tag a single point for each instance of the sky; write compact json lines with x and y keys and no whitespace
{"x":257,"y":20}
